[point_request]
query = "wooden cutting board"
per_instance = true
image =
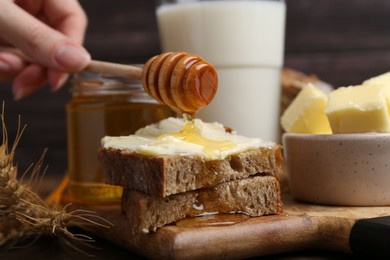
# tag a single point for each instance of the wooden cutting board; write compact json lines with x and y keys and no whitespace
{"x":302,"y":226}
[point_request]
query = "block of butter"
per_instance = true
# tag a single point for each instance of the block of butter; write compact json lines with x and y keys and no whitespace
{"x":383,"y":79}
{"x":306,"y":113}
{"x":359,"y":109}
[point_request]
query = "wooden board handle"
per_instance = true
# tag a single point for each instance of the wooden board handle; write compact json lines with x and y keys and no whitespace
{"x":370,"y":237}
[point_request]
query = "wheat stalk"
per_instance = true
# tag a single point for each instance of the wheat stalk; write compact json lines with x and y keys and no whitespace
{"x":24,"y":215}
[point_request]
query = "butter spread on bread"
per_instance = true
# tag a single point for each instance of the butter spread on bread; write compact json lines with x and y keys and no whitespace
{"x":208,"y":140}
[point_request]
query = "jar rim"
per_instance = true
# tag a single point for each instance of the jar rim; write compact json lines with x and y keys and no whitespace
{"x":94,"y":80}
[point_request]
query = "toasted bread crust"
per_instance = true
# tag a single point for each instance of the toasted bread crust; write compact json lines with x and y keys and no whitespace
{"x":166,"y":175}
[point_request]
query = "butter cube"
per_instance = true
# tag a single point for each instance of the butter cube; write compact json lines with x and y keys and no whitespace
{"x":383,"y":79}
{"x":306,"y":113}
{"x":359,"y":109}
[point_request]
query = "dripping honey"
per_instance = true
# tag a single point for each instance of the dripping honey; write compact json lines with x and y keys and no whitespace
{"x":102,"y":106}
{"x":191,"y":134}
{"x":212,"y":220}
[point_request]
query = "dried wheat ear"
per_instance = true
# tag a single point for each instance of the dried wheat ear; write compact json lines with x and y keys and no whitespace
{"x":24,"y":216}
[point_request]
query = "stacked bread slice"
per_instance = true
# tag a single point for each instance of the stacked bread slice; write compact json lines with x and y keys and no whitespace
{"x":162,"y":189}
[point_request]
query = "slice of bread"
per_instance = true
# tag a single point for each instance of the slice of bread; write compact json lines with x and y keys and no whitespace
{"x":171,"y":174}
{"x":254,"y":196}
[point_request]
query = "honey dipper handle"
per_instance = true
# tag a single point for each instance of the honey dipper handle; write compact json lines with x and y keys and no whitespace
{"x":129,"y":71}
{"x":115,"y":69}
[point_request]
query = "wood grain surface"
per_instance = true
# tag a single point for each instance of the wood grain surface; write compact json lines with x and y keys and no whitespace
{"x":301,"y":227}
{"x":342,"y":41}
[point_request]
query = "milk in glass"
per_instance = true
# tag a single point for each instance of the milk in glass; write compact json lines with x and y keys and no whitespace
{"x":244,"y":40}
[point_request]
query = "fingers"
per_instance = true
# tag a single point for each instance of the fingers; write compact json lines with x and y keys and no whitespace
{"x":49,"y":33}
{"x":29,"y":80}
{"x":10,"y":65}
{"x":70,"y":19}
{"x":41,"y":43}
{"x":56,"y":79}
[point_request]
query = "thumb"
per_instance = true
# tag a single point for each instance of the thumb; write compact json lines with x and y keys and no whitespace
{"x":39,"y":42}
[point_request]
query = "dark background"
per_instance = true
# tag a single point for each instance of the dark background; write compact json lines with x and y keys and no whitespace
{"x":341,"y":41}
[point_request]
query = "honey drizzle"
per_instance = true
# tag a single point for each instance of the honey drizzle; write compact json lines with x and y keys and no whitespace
{"x":189,"y":133}
{"x":216,"y":220}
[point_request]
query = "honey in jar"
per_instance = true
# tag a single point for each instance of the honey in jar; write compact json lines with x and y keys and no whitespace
{"x":100,"y":106}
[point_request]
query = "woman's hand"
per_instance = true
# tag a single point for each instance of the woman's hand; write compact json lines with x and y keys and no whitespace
{"x":48,"y":34}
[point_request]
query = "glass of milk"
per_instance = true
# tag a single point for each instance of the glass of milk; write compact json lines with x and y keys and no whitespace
{"x":244,"y":40}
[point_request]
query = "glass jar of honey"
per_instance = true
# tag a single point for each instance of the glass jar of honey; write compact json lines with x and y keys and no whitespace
{"x":100,"y":106}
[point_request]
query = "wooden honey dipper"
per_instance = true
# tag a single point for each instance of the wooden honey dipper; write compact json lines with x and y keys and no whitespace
{"x":182,"y":81}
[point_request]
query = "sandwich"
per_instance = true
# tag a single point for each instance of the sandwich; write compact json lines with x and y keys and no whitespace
{"x":172,"y":170}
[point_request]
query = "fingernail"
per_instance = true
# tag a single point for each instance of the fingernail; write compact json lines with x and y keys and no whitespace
{"x":71,"y":57}
{"x":4,"y":66}
{"x":24,"y":92}
{"x":19,"y":94}
{"x":60,"y":81}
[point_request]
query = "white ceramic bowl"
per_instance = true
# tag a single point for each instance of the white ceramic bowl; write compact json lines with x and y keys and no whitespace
{"x":340,"y":169}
